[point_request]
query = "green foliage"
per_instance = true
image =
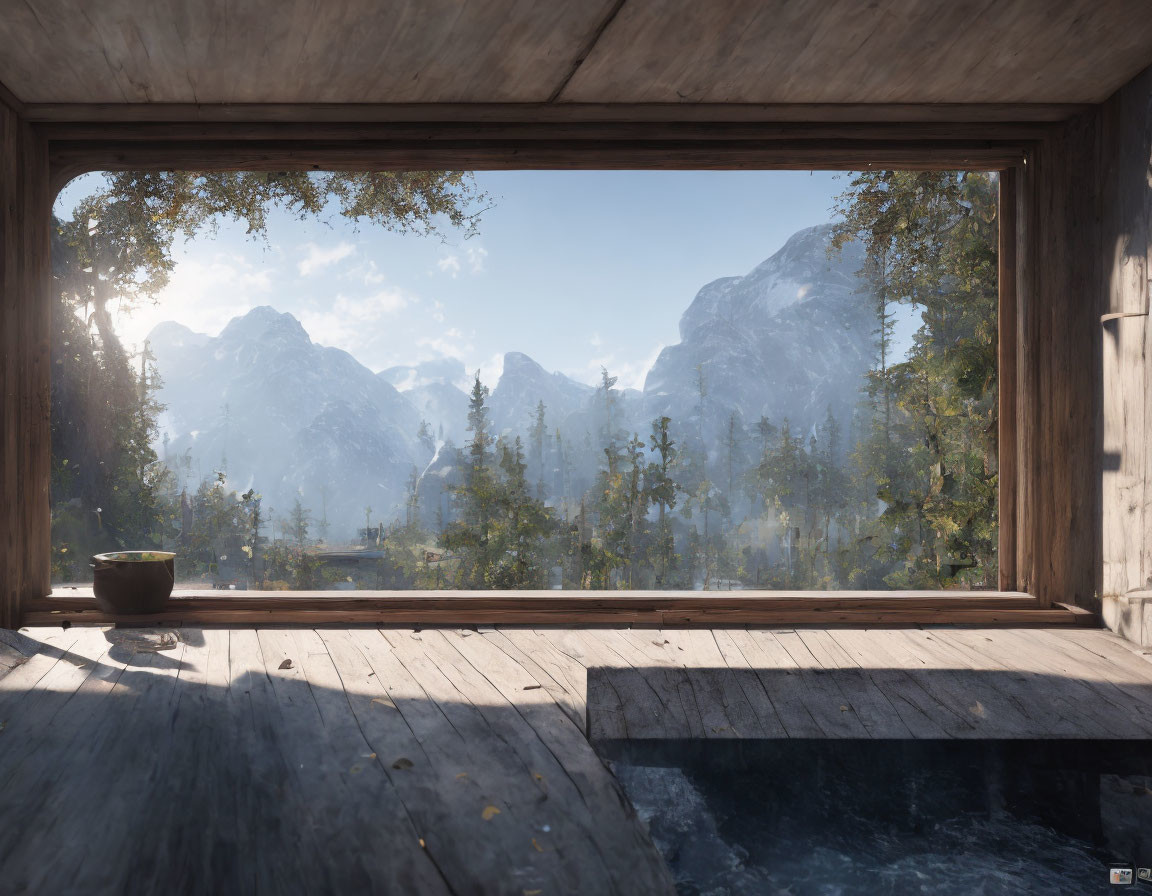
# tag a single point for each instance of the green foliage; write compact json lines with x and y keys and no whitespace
{"x":501,"y":536}
{"x":931,"y":445}
{"x":108,"y":489}
{"x":905,"y":498}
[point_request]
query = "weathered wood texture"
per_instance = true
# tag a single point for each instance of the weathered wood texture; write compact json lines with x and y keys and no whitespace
{"x":904,"y":148}
{"x":694,"y":609}
{"x":24,"y":362}
{"x":207,"y":761}
{"x":603,"y":51}
{"x":1126,"y":389}
{"x":882,"y":684}
{"x":843,"y":51}
{"x":1058,"y":357}
{"x":15,"y":648}
{"x":1007,"y":347}
{"x":269,"y":51}
{"x":214,"y":760}
{"x":550,"y":113}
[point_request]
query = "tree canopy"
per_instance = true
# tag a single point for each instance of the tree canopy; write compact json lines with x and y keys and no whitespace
{"x":117,"y":247}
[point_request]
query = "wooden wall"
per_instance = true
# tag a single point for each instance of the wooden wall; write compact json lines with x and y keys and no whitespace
{"x":1125,"y":195}
{"x":1083,"y":203}
{"x":1057,"y":495}
{"x":24,"y":373}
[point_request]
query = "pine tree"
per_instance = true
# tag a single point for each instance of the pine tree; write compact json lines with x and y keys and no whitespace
{"x":539,"y":435}
{"x":662,"y":491}
{"x":298,"y":523}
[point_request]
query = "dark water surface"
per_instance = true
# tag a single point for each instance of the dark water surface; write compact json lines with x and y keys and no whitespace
{"x":910,"y":817}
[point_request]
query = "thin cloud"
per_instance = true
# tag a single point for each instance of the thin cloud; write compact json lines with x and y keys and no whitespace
{"x":450,"y":265}
{"x":202,"y":295}
{"x":319,"y":257}
{"x":476,"y":256}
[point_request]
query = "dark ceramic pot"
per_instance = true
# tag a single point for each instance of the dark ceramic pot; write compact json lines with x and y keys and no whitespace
{"x":133,"y":582}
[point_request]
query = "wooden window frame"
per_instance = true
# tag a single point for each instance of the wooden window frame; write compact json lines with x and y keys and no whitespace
{"x":75,"y":142}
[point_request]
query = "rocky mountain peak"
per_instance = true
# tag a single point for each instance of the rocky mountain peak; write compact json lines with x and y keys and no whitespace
{"x":805,"y":267}
{"x":265,"y":324}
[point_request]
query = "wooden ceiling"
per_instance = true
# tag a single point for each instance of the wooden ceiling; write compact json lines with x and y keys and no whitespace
{"x":591,"y":51}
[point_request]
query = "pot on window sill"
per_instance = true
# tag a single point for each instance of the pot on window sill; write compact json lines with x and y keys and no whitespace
{"x":133,"y":583}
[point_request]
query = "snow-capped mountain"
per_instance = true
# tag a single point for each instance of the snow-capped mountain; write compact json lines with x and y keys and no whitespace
{"x":271,"y":409}
{"x":523,"y":385}
{"x":789,"y":340}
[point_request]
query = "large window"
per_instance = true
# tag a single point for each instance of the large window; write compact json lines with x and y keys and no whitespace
{"x":529,"y":380}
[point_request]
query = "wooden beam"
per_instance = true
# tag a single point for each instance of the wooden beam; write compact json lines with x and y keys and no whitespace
{"x":577,"y":599}
{"x":1007,"y":339}
{"x":583,"y":134}
{"x":1058,"y":360}
{"x":558,"y":113}
{"x":71,"y":158}
{"x":717,"y":611}
{"x":9,"y":99}
{"x":25,"y":205}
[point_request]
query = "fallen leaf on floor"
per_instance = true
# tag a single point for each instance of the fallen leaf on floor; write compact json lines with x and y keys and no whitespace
{"x":977,"y":709}
{"x":462,"y":775}
{"x":539,"y":848}
{"x":355,"y":770}
{"x":533,"y":687}
{"x":402,"y":763}
{"x":843,"y":709}
{"x":489,"y":813}
{"x":422,"y":843}
{"x":533,"y":892}
{"x":287,"y":664}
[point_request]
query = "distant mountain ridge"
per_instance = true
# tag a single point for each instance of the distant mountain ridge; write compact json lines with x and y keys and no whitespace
{"x":270,"y":408}
{"x":786,"y":340}
{"x":790,"y":339}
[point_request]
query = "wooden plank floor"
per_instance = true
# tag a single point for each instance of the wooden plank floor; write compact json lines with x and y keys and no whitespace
{"x":337,"y":760}
{"x":302,"y":761}
{"x":903,"y":683}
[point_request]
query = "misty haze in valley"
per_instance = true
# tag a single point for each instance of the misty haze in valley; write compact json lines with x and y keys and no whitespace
{"x":824,"y":420}
{"x":270,"y":409}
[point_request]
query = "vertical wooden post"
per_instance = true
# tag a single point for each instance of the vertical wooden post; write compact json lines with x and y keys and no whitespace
{"x":1006,"y":350}
{"x":25,"y":326}
{"x":1057,"y":367}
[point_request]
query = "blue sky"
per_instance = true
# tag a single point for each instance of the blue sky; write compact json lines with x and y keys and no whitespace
{"x":578,"y":269}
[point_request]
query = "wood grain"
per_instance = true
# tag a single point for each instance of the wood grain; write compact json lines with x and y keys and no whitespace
{"x":1013,"y":114}
{"x":1007,"y":342}
{"x":880,"y":684}
{"x":266,"y":51}
{"x":887,"y":51}
{"x":1058,"y":358}
{"x":437,"y":761}
{"x":404,"y":51}
{"x":1126,"y":378}
{"x":317,"y":762}
{"x":696,"y":609}
{"x":24,"y":363}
